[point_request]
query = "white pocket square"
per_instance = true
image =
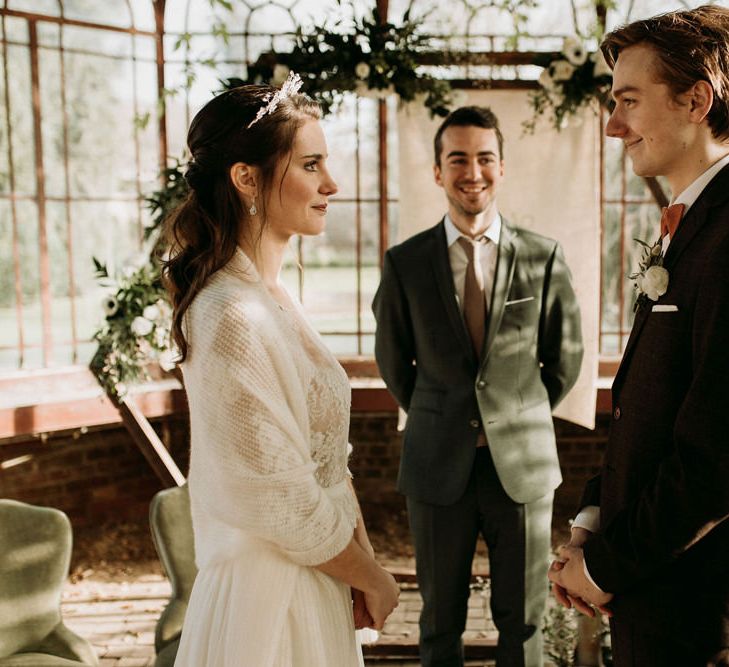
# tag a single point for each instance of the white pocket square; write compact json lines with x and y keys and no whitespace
{"x":515,"y":301}
{"x":664,"y":308}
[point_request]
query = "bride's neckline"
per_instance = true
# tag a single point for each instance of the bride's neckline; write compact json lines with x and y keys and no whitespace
{"x":246,"y":268}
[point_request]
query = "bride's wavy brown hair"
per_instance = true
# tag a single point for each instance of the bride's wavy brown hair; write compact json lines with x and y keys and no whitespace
{"x":203,"y":232}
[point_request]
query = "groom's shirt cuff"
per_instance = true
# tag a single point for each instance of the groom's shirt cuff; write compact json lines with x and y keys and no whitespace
{"x":588,"y":518}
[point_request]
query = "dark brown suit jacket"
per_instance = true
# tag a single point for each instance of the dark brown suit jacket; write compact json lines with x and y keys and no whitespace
{"x":663,"y":546}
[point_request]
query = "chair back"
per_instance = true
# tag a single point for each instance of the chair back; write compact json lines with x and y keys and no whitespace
{"x":35,"y":554}
{"x":171,"y":525}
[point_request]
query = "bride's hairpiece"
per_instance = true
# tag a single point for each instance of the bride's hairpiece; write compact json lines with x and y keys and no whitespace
{"x":272,"y":100}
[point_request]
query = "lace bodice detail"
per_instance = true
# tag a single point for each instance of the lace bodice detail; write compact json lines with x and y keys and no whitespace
{"x":328,"y":402}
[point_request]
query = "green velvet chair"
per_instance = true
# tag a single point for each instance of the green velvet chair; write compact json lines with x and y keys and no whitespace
{"x":171,"y":525}
{"x":35,"y":553}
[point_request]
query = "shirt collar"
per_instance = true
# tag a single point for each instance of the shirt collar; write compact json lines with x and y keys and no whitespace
{"x":692,"y":192}
{"x":493,"y":233}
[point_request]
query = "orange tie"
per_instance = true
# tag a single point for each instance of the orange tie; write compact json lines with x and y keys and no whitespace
{"x":670,"y":217}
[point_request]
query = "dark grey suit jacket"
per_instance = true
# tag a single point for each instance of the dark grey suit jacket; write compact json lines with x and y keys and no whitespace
{"x":532,"y":355}
{"x":663,"y":546}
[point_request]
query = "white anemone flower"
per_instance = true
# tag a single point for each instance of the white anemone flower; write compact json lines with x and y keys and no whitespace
{"x":561,"y":70}
{"x":151,"y":312}
{"x":141,"y":326}
{"x":574,"y":51}
{"x":546,"y":81}
{"x":110,"y":305}
{"x":168,"y":360}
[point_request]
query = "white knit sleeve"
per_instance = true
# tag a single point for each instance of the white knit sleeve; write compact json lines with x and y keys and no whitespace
{"x":250,"y":449}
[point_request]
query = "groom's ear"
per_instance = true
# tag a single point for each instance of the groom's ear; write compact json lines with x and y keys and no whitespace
{"x":437,"y":175}
{"x":701,"y":97}
{"x":244,"y":178}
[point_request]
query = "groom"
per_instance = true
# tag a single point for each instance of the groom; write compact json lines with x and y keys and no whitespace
{"x":652,"y":540}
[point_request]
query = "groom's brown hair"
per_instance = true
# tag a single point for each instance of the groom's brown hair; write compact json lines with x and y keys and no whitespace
{"x":690,"y":46}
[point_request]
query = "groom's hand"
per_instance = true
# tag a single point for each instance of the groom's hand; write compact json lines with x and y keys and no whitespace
{"x":565,"y":598}
{"x":570,"y":576}
{"x":578,"y":537}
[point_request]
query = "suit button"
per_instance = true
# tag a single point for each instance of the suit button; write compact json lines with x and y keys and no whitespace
{"x":480,"y":384}
{"x":616,"y":413}
{"x":474,"y":423}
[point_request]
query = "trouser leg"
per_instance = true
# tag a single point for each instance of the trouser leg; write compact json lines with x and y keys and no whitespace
{"x":518,"y":540}
{"x":634,"y":646}
{"x":445,"y":541}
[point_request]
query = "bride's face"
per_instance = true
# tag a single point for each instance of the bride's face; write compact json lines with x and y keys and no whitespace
{"x":302,"y":186}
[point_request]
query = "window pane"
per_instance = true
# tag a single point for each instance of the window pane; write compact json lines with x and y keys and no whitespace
{"x":9,"y":338}
{"x":16,"y":29}
{"x":114,"y":44}
{"x":21,"y":122}
{"x":271,"y":18}
{"x":612,"y":280}
{"x":101,"y":126}
{"x":613,"y":150}
{"x":109,"y":12}
{"x":143,"y":14}
{"x":48,"y":7}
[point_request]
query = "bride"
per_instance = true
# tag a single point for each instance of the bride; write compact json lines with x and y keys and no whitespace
{"x":286,"y":571}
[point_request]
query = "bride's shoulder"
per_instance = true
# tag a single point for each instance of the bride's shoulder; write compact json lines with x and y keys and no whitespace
{"x":225,"y":302}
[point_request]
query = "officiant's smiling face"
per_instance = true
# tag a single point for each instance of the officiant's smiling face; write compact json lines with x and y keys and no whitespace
{"x":470,"y":171}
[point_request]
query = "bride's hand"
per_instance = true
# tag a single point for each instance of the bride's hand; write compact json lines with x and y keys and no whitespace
{"x":382,"y":600}
{"x":362,"y":618}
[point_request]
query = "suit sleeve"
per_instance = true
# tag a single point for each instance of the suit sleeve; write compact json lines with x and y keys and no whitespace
{"x":689,"y":495}
{"x":560,"y":332}
{"x":394,"y":339}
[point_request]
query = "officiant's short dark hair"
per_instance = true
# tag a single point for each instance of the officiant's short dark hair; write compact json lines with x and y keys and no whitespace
{"x":467,"y":117}
{"x":690,"y":46}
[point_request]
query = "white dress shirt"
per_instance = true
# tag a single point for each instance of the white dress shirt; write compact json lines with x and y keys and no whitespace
{"x":459,"y":260}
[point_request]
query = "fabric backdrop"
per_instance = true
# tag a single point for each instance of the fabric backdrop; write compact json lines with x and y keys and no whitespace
{"x":551,"y":186}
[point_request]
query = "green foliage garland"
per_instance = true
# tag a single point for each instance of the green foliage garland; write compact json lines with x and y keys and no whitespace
{"x":374,"y":58}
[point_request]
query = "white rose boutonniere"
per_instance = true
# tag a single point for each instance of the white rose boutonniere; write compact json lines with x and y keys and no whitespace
{"x":651,"y":279}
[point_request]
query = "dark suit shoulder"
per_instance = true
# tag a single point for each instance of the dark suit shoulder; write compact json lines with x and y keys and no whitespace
{"x":536,"y":246}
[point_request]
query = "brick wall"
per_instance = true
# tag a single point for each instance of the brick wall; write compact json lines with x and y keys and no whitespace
{"x":93,"y":475}
{"x":100,"y":475}
{"x":375,"y":460}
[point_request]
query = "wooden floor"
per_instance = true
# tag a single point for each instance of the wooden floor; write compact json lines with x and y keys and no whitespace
{"x":118,"y":618}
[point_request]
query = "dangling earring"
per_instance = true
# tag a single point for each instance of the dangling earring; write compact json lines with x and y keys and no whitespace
{"x":253,"y":210}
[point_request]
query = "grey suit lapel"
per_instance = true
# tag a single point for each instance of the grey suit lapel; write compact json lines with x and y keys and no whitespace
{"x":502,"y":284}
{"x":444,"y":280}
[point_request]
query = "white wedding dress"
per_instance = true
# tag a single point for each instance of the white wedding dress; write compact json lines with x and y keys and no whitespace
{"x":269,"y":413}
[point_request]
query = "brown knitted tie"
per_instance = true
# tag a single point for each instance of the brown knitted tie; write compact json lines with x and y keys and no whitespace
{"x":474,"y":304}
